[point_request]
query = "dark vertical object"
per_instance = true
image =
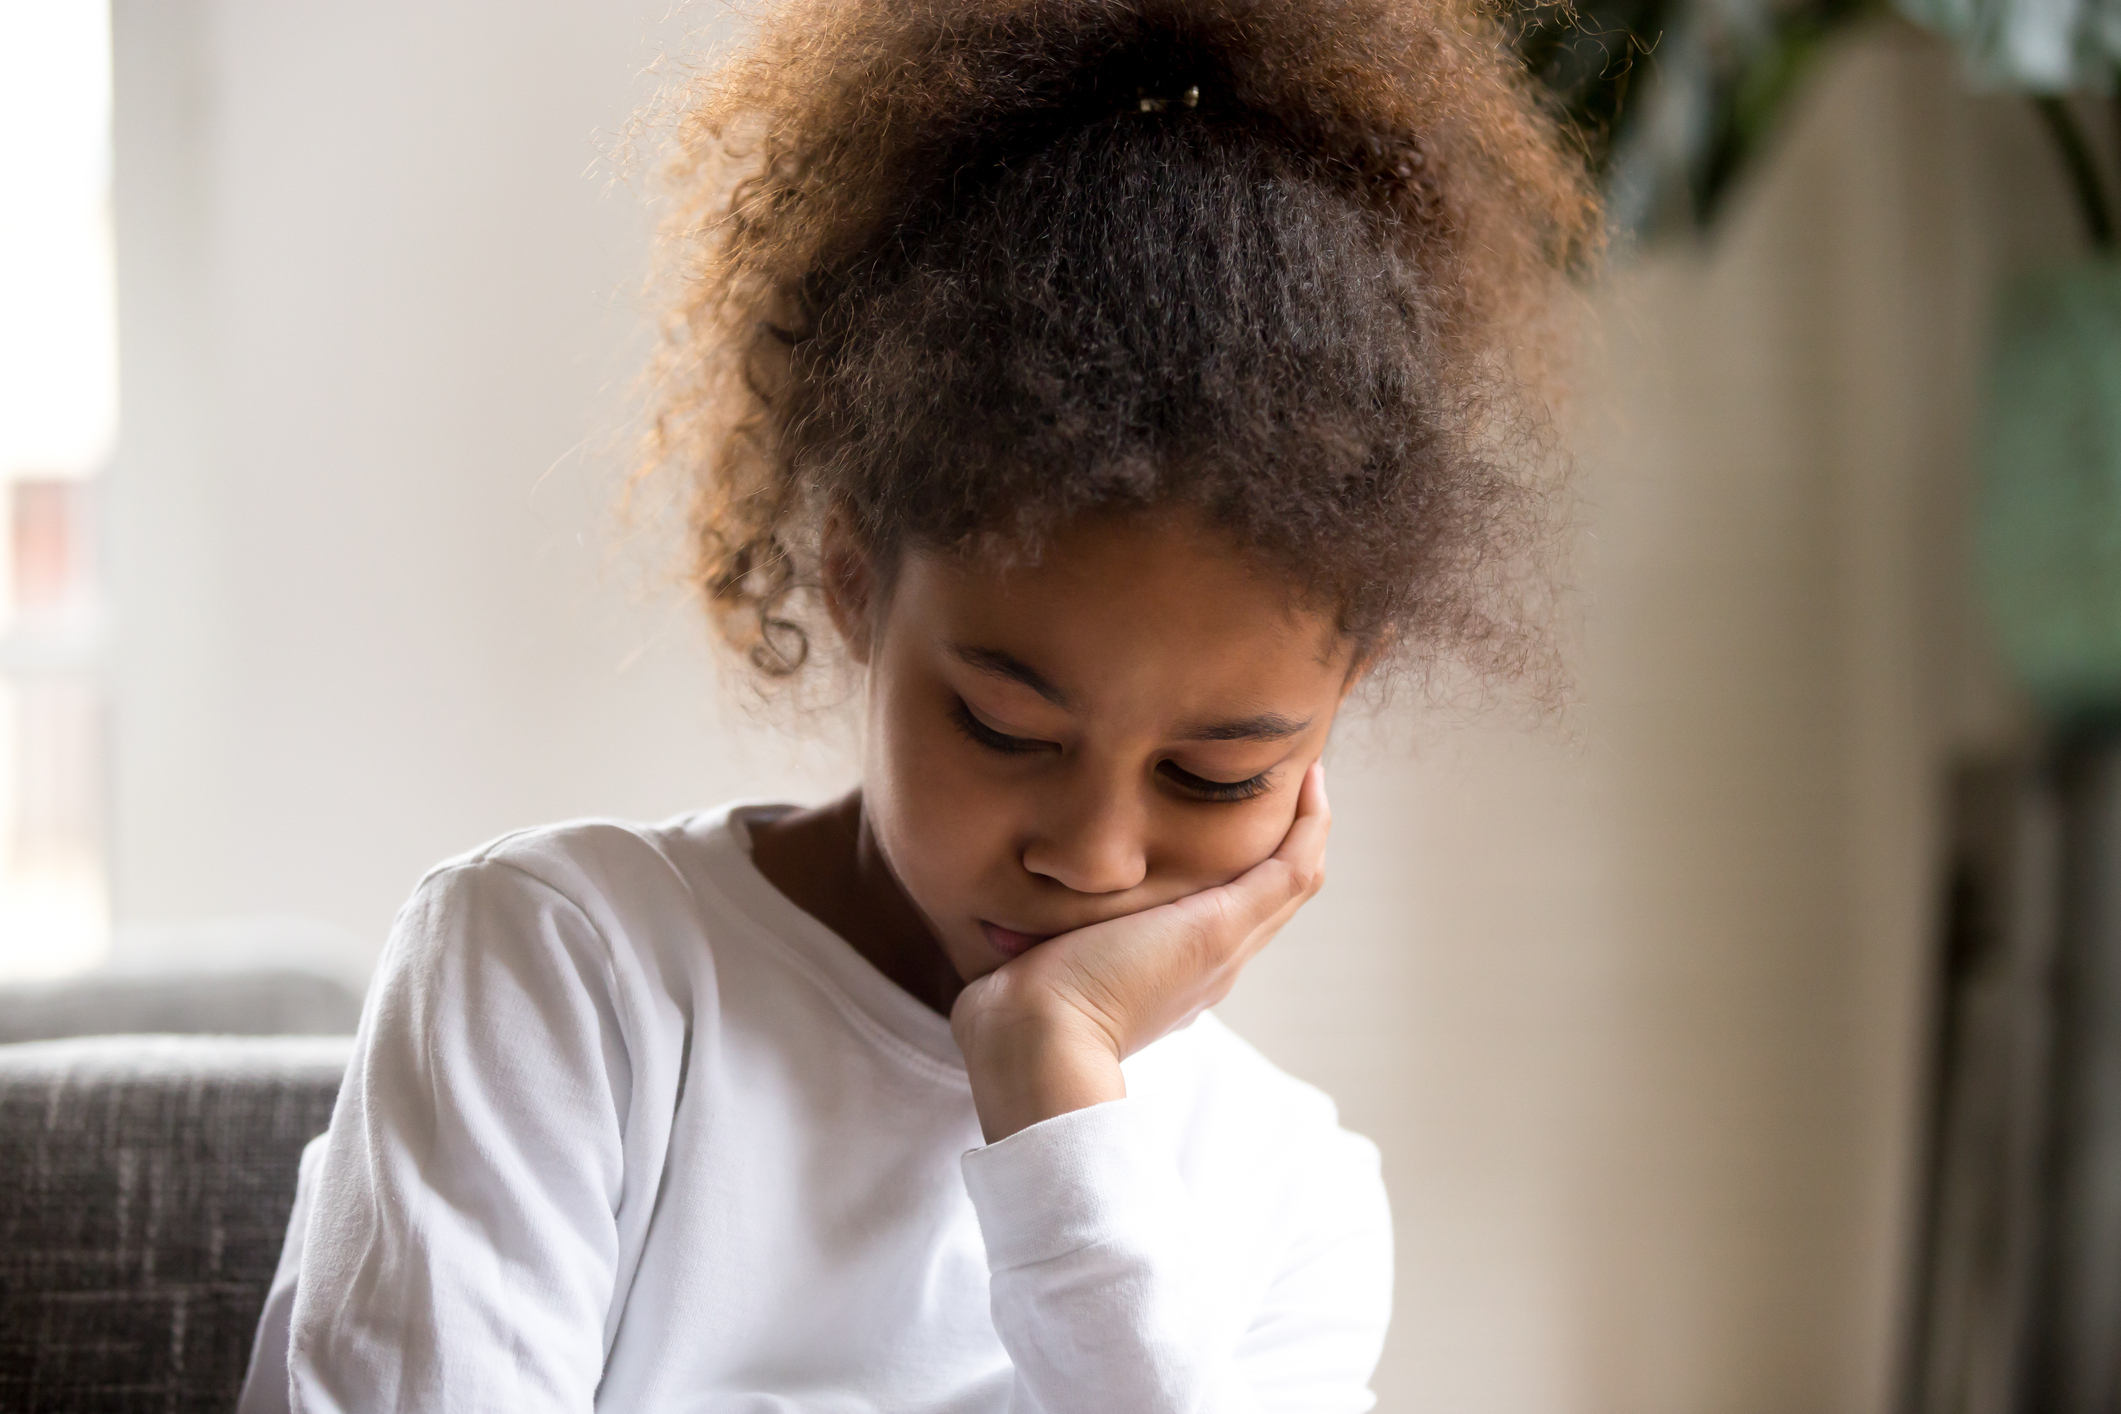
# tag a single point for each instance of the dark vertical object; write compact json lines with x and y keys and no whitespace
{"x":2017,"y":1297}
{"x":1979,"y":1255}
{"x":2082,"y":1325}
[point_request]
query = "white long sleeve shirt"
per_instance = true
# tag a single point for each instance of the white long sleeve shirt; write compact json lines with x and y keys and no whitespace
{"x":627,"y":1130}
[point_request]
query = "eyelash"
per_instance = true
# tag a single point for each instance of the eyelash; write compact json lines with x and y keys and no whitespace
{"x":988,"y":737}
{"x":1218,"y":791}
{"x":979,"y":732}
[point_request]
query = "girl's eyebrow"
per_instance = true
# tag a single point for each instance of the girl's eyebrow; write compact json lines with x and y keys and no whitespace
{"x":995,"y":663}
{"x":1267,"y":726}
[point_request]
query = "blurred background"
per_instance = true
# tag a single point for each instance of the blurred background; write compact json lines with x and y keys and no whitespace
{"x":318,"y":326}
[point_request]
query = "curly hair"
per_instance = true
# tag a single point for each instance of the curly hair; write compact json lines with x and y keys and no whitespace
{"x":961,"y":272}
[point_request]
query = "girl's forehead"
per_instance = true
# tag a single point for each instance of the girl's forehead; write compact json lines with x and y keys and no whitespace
{"x":1136,"y":601}
{"x":1168,"y":567}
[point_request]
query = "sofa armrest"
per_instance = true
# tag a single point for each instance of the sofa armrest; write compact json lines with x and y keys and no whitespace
{"x":249,"y":1002}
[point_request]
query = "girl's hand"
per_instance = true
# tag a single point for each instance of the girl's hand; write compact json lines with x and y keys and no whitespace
{"x":1044,"y":1034}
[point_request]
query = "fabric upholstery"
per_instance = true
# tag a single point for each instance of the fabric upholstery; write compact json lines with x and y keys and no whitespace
{"x":148,"y":1183}
{"x":251,"y":1002}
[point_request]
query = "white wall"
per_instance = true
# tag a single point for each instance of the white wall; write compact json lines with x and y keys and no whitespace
{"x":1633,"y":1013}
{"x":379,"y":322}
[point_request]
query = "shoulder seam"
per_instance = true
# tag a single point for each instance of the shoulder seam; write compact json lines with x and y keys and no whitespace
{"x":605,"y":958}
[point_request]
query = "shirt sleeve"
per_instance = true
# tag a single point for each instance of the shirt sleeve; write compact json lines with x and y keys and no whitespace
{"x":462,"y":1245}
{"x":1104,"y":1291}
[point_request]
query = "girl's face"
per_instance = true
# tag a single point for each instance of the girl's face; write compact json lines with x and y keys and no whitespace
{"x":1052,"y":745}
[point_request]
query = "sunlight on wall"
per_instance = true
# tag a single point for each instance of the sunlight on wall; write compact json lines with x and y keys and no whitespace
{"x":58,"y":417}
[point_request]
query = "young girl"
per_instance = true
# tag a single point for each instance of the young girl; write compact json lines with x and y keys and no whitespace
{"x":1112,"y":386}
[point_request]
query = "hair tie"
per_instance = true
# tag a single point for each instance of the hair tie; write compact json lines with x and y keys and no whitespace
{"x":1152,"y":103}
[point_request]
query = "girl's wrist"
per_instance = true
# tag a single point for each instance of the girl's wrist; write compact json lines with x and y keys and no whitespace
{"x":1031,"y":1063}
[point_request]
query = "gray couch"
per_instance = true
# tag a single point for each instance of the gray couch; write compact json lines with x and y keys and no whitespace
{"x":249,"y":1002}
{"x":148,"y":1181}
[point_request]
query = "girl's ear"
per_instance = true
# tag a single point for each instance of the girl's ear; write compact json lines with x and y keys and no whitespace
{"x":850,"y":587}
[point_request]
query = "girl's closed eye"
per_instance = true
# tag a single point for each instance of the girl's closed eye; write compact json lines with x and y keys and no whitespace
{"x":967,"y":721}
{"x":969,"y":724}
{"x":1249,"y":788}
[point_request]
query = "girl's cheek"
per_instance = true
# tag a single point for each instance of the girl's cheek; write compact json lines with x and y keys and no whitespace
{"x":944,"y":801}
{"x":1208,"y":846}
{"x":1263,"y":827}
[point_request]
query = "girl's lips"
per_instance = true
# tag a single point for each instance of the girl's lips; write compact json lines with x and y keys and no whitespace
{"x":1007,"y":941}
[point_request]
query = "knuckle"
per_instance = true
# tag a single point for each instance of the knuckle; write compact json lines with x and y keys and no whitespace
{"x":1300,"y":880}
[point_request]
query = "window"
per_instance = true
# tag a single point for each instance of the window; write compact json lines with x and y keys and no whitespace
{"x":58,"y":416}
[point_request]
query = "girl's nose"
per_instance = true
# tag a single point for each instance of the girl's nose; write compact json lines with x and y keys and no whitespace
{"x":1090,"y":842}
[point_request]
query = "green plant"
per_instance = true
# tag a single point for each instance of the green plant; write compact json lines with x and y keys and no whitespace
{"x":1675,"y":98}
